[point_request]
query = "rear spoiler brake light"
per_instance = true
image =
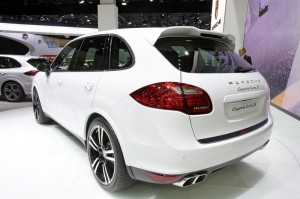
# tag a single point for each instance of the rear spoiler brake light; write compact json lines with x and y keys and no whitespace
{"x":211,"y":36}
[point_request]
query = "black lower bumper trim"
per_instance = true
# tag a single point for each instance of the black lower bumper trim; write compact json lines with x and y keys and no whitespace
{"x":233,"y":134}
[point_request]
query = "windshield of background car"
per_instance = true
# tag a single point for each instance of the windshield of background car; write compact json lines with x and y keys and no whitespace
{"x":198,"y":55}
{"x":37,"y":61}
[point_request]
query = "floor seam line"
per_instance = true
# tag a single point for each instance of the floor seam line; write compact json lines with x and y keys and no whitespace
{"x":288,"y":150}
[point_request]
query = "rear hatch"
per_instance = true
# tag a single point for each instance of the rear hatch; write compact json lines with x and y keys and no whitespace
{"x":239,"y":94}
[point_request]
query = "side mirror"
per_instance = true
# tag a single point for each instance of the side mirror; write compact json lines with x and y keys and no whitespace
{"x":45,"y":67}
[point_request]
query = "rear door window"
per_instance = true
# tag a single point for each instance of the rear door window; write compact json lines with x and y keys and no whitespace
{"x":197,"y":55}
{"x":12,"y":63}
{"x":3,"y":63}
{"x":7,"y":62}
{"x":92,"y":55}
{"x":121,"y":56}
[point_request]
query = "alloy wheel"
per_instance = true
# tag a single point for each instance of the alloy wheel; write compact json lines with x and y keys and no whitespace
{"x":102,"y":156}
{"x":36,"y":104}
{"x":12,"y":91}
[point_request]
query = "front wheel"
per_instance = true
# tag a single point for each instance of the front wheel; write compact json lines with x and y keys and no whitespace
{"x":39,"y":114}
{"x":106,"y":157}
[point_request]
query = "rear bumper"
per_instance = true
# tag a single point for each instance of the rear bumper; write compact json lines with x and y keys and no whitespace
{"x":143,"y":175}
{"x":181,"y":155}
{"x":163,"y":142}
{"x":27,"y":83}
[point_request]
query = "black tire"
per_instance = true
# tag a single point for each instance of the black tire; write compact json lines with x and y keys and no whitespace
{"x":39,"y":114}
{"x":13,"y":92}
{"x":106,"y":157}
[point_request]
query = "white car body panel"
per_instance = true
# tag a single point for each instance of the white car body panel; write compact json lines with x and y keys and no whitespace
{"x":51,"y":86}
{"x":229,"y":94}
{"x":79,"y":101}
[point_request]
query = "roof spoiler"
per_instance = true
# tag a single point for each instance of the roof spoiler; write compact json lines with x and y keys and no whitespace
{"x":183,"y":31}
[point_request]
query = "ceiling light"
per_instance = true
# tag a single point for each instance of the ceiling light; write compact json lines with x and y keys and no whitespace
{"x":151,"y":0}
{"x":124,"y":3}
{"x":81,"y":2}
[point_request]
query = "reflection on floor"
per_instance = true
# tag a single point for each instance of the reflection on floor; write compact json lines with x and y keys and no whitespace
{"x":45,"y":161}
{"x":4,"y":105}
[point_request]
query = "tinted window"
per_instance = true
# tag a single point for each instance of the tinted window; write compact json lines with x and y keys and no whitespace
{"x":196,"y":55}
{"x":91,"y":55}
{"x":66,"y":59}
{"x":6,"y":62}
{"x":120,"y":54}
{"x":13,"y":63}
{"x":3,"y":63}
{"x":37,"y":61}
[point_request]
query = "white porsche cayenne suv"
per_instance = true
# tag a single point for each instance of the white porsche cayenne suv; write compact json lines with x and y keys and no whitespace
{"x":16,"y":75}
{"x":161,"y":105}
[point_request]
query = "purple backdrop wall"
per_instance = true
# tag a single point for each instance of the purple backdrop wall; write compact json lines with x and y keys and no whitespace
{"x":272,"y":37}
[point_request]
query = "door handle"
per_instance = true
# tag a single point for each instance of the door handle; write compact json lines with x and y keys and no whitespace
{"x":3,"y":73}
{"x":88,"y":86}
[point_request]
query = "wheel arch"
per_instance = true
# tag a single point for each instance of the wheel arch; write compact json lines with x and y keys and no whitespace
{"x":106,"y":117}
{"x":88,"y":123}
{"x":37,"y":90}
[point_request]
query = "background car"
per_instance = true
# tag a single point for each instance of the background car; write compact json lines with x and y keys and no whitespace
{"x":16,"y":74}
{"x":161,"y":105}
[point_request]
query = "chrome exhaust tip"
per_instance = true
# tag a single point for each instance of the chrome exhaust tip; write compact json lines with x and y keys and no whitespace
{"x":191,"y":180}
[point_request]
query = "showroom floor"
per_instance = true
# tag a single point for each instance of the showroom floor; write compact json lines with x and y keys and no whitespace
{"x":45,"y":161}
{"x":4,"y":105}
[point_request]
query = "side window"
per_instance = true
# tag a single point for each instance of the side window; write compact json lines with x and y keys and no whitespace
{"x":91,"y":55}
{"x":6,"y":62}
{"x":66,"y":59}
{"x":120,"y":54}
{"x":3,"y":64}
{"x":12,"y":63}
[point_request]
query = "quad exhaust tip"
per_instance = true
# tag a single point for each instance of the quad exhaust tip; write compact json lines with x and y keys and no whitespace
{"x":191,"y":180}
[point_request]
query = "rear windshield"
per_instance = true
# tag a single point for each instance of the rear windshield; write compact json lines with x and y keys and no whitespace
{"x":37,"y":61}
{"x":197,"y":55}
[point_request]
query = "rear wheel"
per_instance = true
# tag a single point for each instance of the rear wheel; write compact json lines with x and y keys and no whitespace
{"x":13,"y":92}
{"x":39,"y":114}
{"x":106,"y":158}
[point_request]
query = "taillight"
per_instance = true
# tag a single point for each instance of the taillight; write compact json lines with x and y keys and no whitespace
{"x":31,"y":72}
{"x":174,"y":96}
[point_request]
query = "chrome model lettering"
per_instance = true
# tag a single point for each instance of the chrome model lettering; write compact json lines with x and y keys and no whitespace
{"x":238,"y":108}
{"x":250,"y":105}
{"x":242,"y":89}
{"x":244,"y":107}
{"x":244,"y":82}
{"x":254,"y":87}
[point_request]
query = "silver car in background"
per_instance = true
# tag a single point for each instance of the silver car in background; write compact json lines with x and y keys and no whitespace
{"x":16,"y":74}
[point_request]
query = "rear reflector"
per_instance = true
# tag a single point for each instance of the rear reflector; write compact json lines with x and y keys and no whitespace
{"x":31,"y":72}
{"x":174,"y":96}
{"x":164,"y":179}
